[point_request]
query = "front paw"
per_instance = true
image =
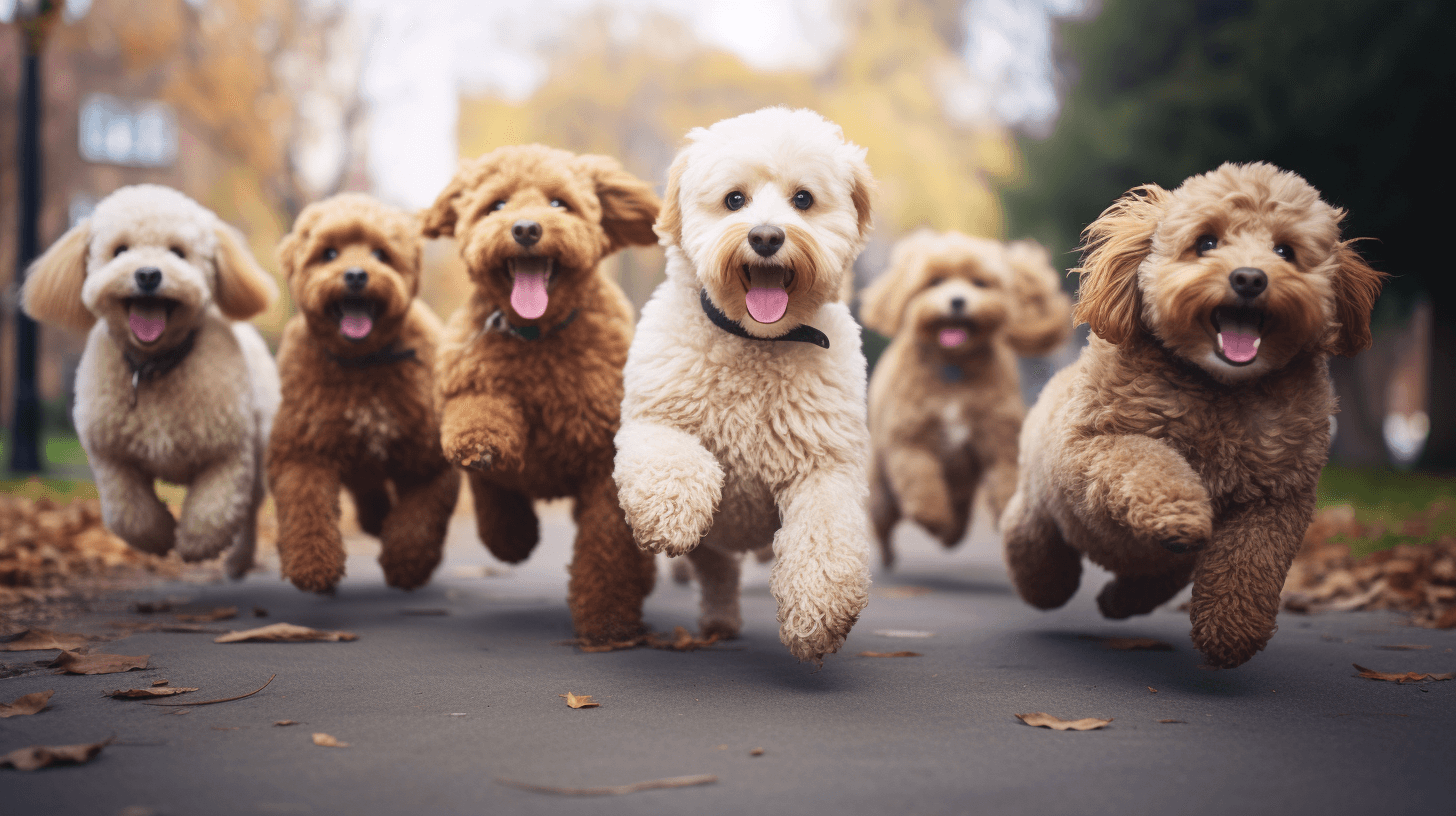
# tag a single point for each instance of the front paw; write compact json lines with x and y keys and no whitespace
{"x":320,"y":578}
{"x":671,"y":519}
{"x":476,"y":450}
{"x":817,"y":617}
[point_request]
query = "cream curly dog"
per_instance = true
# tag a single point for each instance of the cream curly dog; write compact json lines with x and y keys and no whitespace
{"x":1186,"y":441}
{"x":945,"y":398}
{"x":743,"y":423}
{"x":170,"y":386}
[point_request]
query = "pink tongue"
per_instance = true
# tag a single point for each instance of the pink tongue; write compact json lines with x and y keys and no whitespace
{"x":950,"y":338}
{"x":528,"y":295}
{"x":767,"y":304}
{"x":147,"y":327}
{"x":1238,"y":346}
{"x":356,"y":326}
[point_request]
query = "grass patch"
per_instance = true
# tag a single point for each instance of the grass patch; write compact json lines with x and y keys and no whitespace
{"x":1394,"y":506}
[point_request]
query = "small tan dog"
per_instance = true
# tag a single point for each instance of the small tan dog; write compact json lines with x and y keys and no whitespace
{"x":357,"y":367}
{"x":169,"y":386}
{"x":1187,"y":440}
{"x":945,"y":398}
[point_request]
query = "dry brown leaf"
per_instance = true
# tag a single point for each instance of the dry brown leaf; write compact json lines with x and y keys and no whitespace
{"x":889,"y":654}
{"x":97,"y":663}
{"x":1153,"y":690}
{"x":284,"y":633}
{"x":617,"y":790}
{"x":1043,"y":720}
{"x":681,"y":640}
{"x":35,"y":640}
{"x":756,"y":752}
{"x":579,"y":701}
{"x":137,"y":694}
{"x":286,"y":722}
{"x":219,"y":700}
{"x":1184,"y":722}
{"x":161,"y":682}
{"x":217,"y":614}
{"x":32,"y":703}
{"x":327,"y":741}
{"x":1131,"y":644}
{"x":1406,"y":647}
{"x":1408,"y":677}
{"x":39,"y":756}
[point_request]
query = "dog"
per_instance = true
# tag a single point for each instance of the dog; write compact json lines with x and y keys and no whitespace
{"x":357,"y":365}
{"x":743,"y":424}
{"x":1186,"y":441}
{"x":945,"y":397}
{"x":171,"y":385}
{"x":529,"y":377}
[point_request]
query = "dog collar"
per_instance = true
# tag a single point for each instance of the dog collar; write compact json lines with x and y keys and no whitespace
{"x":391,"y":353}
{"x":801,"y":334}
{"x":497,"y":323}
{"x":951,"y":373}
{"x":156,"y":365}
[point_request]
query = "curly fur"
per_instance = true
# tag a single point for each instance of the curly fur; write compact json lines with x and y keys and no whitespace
{"x":368,"y":427}
{"x":534,"y":419}
{"x":1155,"y":455}
{"x":731,"y":444}
{"x":945,"y":400}
{"x":204,"y":422}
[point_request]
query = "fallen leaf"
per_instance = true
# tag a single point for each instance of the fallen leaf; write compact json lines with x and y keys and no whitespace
{"x":135,"y":694}
{"x":1043,"y":720}
{"x":1184,"y":722}
{"x":217,"y":614}
{"x":220,"y":700}
{"x":286,"y":722}
{"x":902,"y":592}
{"x":1408,"y":677}
{"x":681,"y":640}
{"x":1406,"y":647}
{"x":579,"y":701}
{"x":284,"y":633}
{"x":889,"y":654}
{"x":1153,"y":690}
{"x":327,"y":741}
{"x":904,"y":633}
{"x":35,"y":640}
{"x":39,"y":756}
{"x":756,"y":752}
{"x":161,"y":682}
{"x":616,"y":790}
{"x":1131,"y":644}
{"x":97,"y":663}
{"x":32,"y":703}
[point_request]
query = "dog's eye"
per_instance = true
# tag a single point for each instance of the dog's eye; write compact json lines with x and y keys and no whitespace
{"x":381,"y":255}
{"x":735,"y":200}
{"x":1205,"y":243}
{"x":803,"y":200}
{"x":179,"y":253}
{"x":935,"y":281}
{"x":498,"y":206}
{"x":120,"y":248}
{"x":556,"y":202}
{"x":329,"y":254}
{"x":979,"y":284}
{"x":1285,"y":251}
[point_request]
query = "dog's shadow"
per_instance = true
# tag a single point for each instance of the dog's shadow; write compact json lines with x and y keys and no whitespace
{"x":1180,"y":668}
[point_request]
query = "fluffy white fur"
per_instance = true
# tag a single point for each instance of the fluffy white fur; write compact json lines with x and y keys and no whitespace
{"x":204,"y":422}
{"x":731,"y":444}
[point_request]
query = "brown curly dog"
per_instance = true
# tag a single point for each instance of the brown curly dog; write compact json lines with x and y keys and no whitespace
{"x":1186,"y":441}
{"x":529,"y":379}
{"x":356,"y":364}
{"x":945,"y":397}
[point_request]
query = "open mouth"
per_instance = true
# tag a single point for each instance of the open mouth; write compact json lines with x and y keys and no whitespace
{"x":531,"y":279}
{"x":767,"y":297}
{"x":355,"y":316}
{"x":1237,"y":329}
{"x":147,"y":317}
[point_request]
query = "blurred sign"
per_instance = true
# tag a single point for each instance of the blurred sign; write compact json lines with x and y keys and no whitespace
{"x":137,"y":134}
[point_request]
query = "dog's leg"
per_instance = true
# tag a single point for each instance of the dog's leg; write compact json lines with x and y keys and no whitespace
{"x":412,"y":536}
{"x":504,"y":519}
{"x":310,"y":550}
{"x":1140,"y":484}
{"x":1238,"y":579}
{"x":245,"y":541}
{"x":371,"y":501}
{"x":610,"y":575}
{"x":131,"y":509}
{"x":884,"y":513}
{"x":718,"y":573}
{"x":217,"y":505}
{"x":669,"y":486}
{"x":999,"y":483}
{"x":821,"y":576}
{"x":1128,"y":595}
{"x":483,"y":432}
{"x":1045,"y":570}
{"x":918,"y":483}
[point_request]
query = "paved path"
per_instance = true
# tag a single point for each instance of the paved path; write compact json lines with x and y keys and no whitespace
{"x":438,"y":707}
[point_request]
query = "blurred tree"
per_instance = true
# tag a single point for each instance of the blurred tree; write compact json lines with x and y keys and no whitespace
{"x":1350,"y":94}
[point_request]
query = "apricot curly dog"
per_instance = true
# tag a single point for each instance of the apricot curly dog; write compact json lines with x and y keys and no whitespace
{"x":945,"y":397}
{"x":529,"y":379}
{"x":1186,"y":441}
{"x":357,"y":368}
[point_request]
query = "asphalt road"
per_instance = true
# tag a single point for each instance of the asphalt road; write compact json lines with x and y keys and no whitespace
{"x":438,"y":708}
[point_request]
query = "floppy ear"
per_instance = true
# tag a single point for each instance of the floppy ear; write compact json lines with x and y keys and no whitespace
{"x":860,"y":193}
{"x":243,"y":288}
{"x":1356,"y":288}
{"x":52,"y":291}
{"x":288,"y":248}
{"x":438,"y":220}
{"x":882,"y":306}
{"x":1043,"y":315}
{"x":1113,"y":247}
{"x":628,"y":204}
{"x":669,"y":218}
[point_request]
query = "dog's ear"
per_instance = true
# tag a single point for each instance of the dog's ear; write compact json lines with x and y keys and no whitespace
{"x":882,"y":306}
{"x":1112,"y":249}
{"x":1042,"y":317}
{"x":243,"y":288}
{"x":629,"y":207}
{"x":438,"y":220}
{"x":52,"y":291}
{"x":1357,"y":286}
{"x":289,"y":247}
{"x":669,"y":220}
{"x":861,"y":191}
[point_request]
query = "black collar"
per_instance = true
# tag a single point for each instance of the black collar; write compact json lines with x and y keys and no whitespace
{"x":497,"y":323}
{"x":801,"y":334}
{"x":158,"y":364}
{"x":391,"y":353}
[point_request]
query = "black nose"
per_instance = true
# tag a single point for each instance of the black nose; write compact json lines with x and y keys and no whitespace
{"x":765,"y":239}
{"x":355,"y":279}
{"x":148,"y":278}
{"x":958,"y":305}
{"x":1248,"y":282}
{"x":526,"y":233}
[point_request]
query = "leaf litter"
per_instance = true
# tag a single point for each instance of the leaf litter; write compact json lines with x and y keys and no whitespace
{"x":328,"y":740}
{"x":32,"y":703}
{"x":97,"y":663}
{"x":39,"y":756}
{"x":147,"y":693}
{"x":1043,"y":720}
{"x":36,"y":640}
{"x":220,"y":700}
{"x":616,"y":790}
{"x":1407,"y":677}
{"x":579,"y":700}
{"x":285,"y":633}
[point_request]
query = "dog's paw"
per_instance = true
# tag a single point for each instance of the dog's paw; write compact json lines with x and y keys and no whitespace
{"x":670,"y":523}
{"x":323,"y":581}
{"x":476,"y":450}
{"x":719,"y":628}
{"x":816,"y":620}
